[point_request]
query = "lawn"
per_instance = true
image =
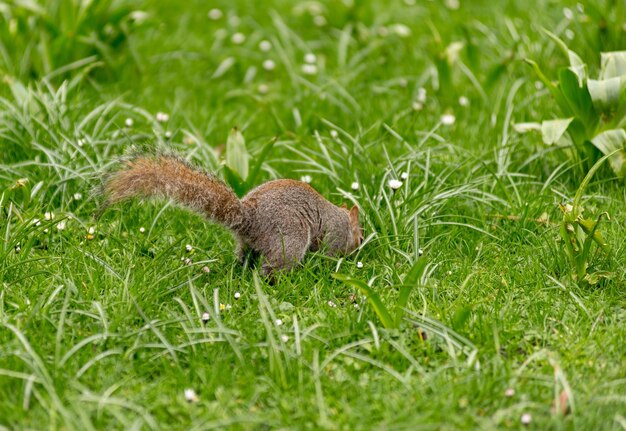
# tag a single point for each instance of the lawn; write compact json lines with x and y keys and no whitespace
{"x":504,"y":228}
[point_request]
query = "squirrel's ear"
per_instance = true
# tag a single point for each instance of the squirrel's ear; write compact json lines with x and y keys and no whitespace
{"x":344,"y":206}
{"x":354,"y":213}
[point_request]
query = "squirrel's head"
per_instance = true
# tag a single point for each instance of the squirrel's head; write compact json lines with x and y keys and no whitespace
{"x":356,"y":233}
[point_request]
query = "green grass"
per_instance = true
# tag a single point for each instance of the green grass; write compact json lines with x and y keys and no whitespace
{"x":104,"y":330}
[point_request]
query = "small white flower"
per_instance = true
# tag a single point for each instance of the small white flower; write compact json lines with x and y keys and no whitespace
{"x":401,"y":30}
{"x":284,"y":338}
{"x":191,"y":396}
{"x":334,"y":134}
{"x":463,"y":101}
{"x":448,"y":119}
{"x":356,"y":305}
{"x":310,"y":58}
{"x":538,"y":85}
{"x":237,"y":295}
{"x":421,"y":95}
{"x":18,"y":248}
{"x":162,"y":117}
{"x":279,"y":322}
{"x":263,"y":89}
{"x":417,"y":106}
{"x":404,"y":175}
{"x":91,"y":230}
{"x":188,"y":261}
{"x":206,"y":317}
{"x":306,"y":179}
{"x":355,"y":186}
{"x":526,"y":418}
{"x":509,"y":392}
{"x":569,"y":34}
{"x":420,"y":252}
{"x":319,"y":20}
{"x":188,"y":247}
{"x":331,"y":304}
{"x":269,"y":65}
{"x":78,"y":196}
{"x":238,"y":38}
{"x":206,"y":269}
{"x":234,"y":20}
{"x":81,"y":142}
{"x":568,"y":14}
{"x":142,"y":229}
{"x":129,"y":122}
{"x":449,"y":272}
{"x":453,"y":4}
{"x":265,"y":45}
{"x":395,"y":184}
{"x":215,"y":14}
{"x":359,"y":264}
{"x":309,"y":69}
{"x":45,"y":230}
{"x":48,"y":216}
{"x":61,"y":225}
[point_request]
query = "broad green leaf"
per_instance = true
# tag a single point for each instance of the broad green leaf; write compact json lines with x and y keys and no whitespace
{"x":410,"y":282}
{"x":611,"y":143}
{"x":372,"y":297}
{"x":605,"y":93}
{"x":236,"y":154}
{"x":553,"y":130}
{"x":234,"y":181}
{"x":576,"y":64}
{"x":613,"y":64}
{"x":590,"y":227}
{"x":258,"y":163}
{"x":578,"y":98}
{"x":527,"y":127}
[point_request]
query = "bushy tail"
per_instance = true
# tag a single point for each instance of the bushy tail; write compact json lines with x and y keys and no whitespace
{"x":167,"y":176}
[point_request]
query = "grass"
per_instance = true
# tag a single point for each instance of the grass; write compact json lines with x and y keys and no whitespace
{"x":103,"y":328}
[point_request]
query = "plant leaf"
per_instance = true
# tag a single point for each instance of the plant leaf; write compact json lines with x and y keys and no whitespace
{"x":605,"y":93}
{"x":527,"y":127}
{"x":578,"y":98}
{"x":576,"y":64}
{"x":613,"y":64}
{"x":585,"y":182}
{"x":612,"y":143}
{"x":410,"y":282}
{"x":234,"y":181}
{"x":553,"y":130}
{"x":258,"y":163}
{"x":590,"y":227}
{"x":236,"y":154}
{"x":372,"y":297}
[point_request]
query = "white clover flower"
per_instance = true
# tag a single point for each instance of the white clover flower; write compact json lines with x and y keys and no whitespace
{"x":206,"y":269}
{"x":420,"y":252}
{"x":404,"y":175}
{"x":215,"y":14}
{"x":237,"y":295}
{"x":310,"y":58}
{"x":359,"y":264}
{"x":401,"y":30}
{"x":395,"y":184}
{"x":538,"y":85}
{"x":206,"y":317}
{"x":448,"y":119}
{"x":509,"y":392}
{"x":306,"y":179}
{"x":129,"y":122}
{"x":238,"y":38}
{"x":334,"y":134}
{"x":354,"y":186}
{"x":48,"y":216}
{"x":78,"y":196}
{"x":526,"y":419}
{"x":569,"y":34}
{"x":188,"y":247}
{"x":453,"y":4}
{"x":191,"y":396}
{"x":263,"y":88}
{"x":463,"y":101}
{"x":319,"y":20}
{"x":309,"y":69}
{"x":331,"y":304}
{"x":81,"y":142}
{"x":356,"y":305}
{"x":162,"y":117}
{"x":61,"y":225}
{"x":188,"y":261}
{"x":91,"y":230}
{"x":269,"y":65}
{"x":284,"y":338}
{"x":142,"y":229}
{"x":168,"y":134}
{"x":449,"y":272}
{"x":279,"y":322}
{"x":265,"y":45}
{"x":417,"y":106}
{"x":421,"y":95}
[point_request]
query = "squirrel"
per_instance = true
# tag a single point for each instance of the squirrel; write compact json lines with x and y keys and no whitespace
{"x":279,"y":220}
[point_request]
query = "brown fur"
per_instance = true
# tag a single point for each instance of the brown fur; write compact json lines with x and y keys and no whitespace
{"x":280,"y":220}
